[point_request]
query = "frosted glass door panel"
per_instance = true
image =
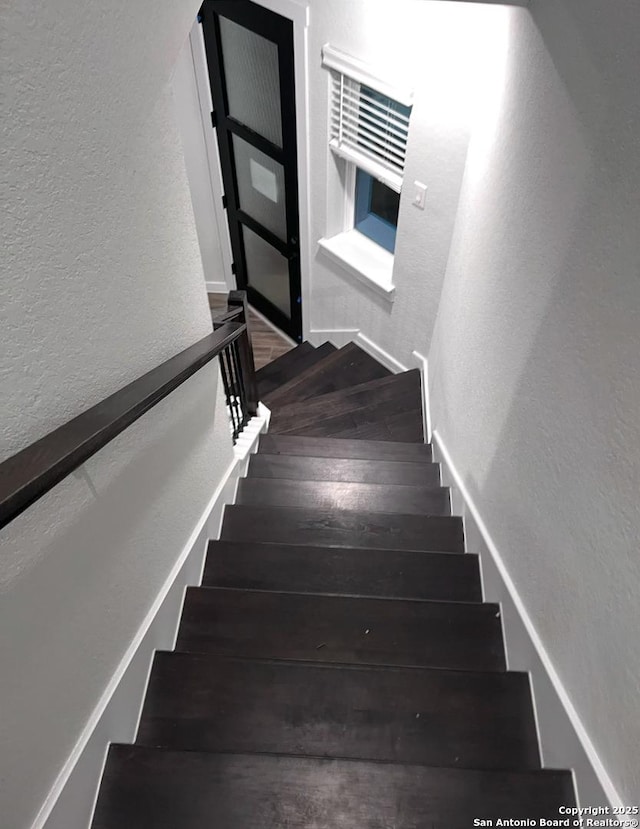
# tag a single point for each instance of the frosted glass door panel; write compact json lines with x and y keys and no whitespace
{"x":261,"y":191}
{"x":253,"y":80}
{"x":267,"y":271}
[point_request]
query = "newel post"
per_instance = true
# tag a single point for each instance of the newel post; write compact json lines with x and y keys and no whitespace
{"x":245,"y":352}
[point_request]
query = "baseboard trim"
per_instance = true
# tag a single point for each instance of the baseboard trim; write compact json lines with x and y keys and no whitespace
{"x":563,"y":738}
{"x":217,"y":287}
{"x":379,"y":354}
{"x":336,"y":336}
{"x":421,"y":362}
{"x":343,"y":336}
{"x":72,"y":798}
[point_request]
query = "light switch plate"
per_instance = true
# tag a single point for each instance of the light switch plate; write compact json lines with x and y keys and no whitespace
{"x":420,"y":194}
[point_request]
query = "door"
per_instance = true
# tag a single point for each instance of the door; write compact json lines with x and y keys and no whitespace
{"x":251,"y":71}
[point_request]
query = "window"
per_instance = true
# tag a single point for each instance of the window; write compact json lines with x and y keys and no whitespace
{"x":368,"y":131}
{"x":377,"y":204}
{"x":376,"y":210}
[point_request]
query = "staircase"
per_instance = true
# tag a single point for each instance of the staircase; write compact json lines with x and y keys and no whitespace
{"x":338,"y":667}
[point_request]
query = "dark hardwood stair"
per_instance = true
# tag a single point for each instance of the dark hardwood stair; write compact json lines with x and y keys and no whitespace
{"x":289,"y":365}
{"x":402,"y":715}
{"x":399,"y":427}
{"x":343,"y":570}
{"x":317,"y":628}
{"x":375,"y":402}
{"x":341,"y":528}
{"x":338,"y":667}
{"x":282,"y":492}
{"x":149,"y":788}
{"x":373,"y":450}
{"x":353,"y":470}
{"x":347,"y":367}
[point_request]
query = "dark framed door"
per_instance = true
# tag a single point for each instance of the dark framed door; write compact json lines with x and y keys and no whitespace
{"x":251,"y":72}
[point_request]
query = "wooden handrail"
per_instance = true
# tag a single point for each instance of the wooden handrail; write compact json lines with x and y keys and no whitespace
{"x":33,"y":471}
{"x":227,"y":316}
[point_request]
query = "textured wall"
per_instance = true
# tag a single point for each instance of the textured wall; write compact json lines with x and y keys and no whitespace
{"x":101,"y":280}
{"x":439,"y":47}
{"x":535,"y":370}
{"x":192,"y":130}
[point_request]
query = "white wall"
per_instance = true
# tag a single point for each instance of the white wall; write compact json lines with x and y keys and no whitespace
{"x":192,"y":98}
{"x":438,"y":48}
{"x":102,"y":281}
{"x":534,"y":362}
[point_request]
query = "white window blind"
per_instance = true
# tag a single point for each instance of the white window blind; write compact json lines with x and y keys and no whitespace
{"x":369,"y":119}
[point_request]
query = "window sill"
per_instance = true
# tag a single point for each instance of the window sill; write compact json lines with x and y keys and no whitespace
{"x":363,"y":259}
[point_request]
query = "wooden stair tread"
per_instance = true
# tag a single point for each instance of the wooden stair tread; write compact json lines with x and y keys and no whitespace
{"x":375,"y":450}
{"x":404,"y":426}
{"x":432,"y":717}
{"x":334,"y":528}
{"x":282,"y":369}
{"x":149,"y":788}
{"x":364,"y":572}
{"x":371,"y":631}
{"x":370,"y":402}
{"x":347,"y":367}
{"x":282,"y":492}
{"x":349,"y":470}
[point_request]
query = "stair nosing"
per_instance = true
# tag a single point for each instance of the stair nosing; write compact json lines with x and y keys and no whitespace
{"x":340,"y":759}
{"x":325,"y":595}
{"x":367,"y":460}
{"x":363,"y":596}
{"x":344,"y":666}
{"x":351,"y":547}
{"x":545,"y":771}
{"x":341,"y":547}
{"x":364,"y":440}
{"x":337,"y":511}
{"x":297,"y":481}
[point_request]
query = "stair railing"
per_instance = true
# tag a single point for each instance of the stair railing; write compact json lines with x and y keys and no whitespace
{"x":28,"y":475}
{"x":237,"y":366}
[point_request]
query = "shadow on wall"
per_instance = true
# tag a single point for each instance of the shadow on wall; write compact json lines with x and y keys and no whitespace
{"x":536,"y":376}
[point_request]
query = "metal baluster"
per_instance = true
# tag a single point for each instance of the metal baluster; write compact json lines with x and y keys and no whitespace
{"x":228,"y":388}
{"x":245,"y":354}
{"x":243,"y":393}
{"x":234,"y":387}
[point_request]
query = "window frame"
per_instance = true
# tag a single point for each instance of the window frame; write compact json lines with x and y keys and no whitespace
{"x":358,"y":256}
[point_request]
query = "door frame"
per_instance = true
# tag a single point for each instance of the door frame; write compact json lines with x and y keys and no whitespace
{"x":298,"y":12}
